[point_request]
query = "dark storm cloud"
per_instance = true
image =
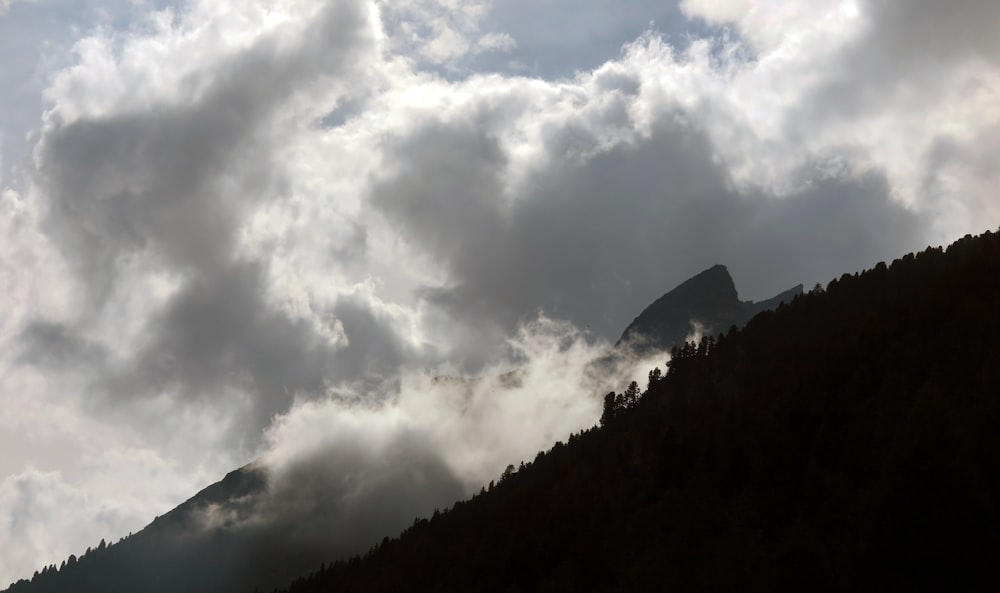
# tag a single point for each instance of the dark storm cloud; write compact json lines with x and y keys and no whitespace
{"x":160,"y":177}
{"x":56,"y":346}
{"x":374,"y":351}
{"x":595,"y":240}
{"x":219,"y":331}
{"x":173,"y":182}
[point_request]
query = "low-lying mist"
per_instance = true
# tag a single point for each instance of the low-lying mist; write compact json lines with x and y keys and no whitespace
{"x":344,"y":472}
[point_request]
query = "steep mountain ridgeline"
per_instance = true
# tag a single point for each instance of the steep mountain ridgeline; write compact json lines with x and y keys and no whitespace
{"x":708,"y":302}
{"x":846,"y":441}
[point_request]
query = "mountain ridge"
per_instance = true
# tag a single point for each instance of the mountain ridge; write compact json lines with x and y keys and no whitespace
{"x":690,"y":475}
{"x":707,"y":303}
{"x":764,"y":460}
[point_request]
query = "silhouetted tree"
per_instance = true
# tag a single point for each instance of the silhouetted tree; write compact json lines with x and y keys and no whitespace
{"x":610,"y":409}
{"x":654,"y":376}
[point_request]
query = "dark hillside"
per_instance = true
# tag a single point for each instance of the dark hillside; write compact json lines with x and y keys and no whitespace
{"x":179,"y":552}
{"x":171,"y":553}
{"x":845,"y":442}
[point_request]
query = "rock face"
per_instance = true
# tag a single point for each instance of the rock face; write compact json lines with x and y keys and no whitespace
{"x":708,"y":304}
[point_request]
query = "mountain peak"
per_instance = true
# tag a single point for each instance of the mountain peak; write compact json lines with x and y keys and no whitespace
{"x":705,"y":303}
{"x":715,"y":279}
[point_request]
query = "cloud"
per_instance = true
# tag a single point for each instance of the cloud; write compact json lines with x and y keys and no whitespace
{"x":52,"y":345}
{"x":142,"y":194}
{"x":29,"y":499}
{"x":342,"y":474}
{"x":589,"y":34}
{"x":364,"y":473}
{"x":912,"y":32}
{"x":718,"y":11}
{"x":920,"y":77}
{"x":592,"y":234}
{"x":42,"y":510}
{"x":339,"y":474}
{"x":136,"y":186}
{"x":170,"y":178}
{"x":217,"y":332}
{"x":890,"y":82}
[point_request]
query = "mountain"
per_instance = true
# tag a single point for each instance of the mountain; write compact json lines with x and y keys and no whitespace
{"x":250,"y":531}
{"x":705,"y":304}
{"x":174,"y":552}
{"x":845,"y":442}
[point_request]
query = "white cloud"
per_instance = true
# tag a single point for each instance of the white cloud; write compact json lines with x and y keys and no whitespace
{"x":42,"y":510}
{"x":718,"y":11}
{"x":777,"y":26}
{"x":360,"y":468}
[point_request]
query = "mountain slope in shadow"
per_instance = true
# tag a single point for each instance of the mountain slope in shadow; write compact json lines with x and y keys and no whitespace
{"x":205,"y":546}
{"x":844,"y":442}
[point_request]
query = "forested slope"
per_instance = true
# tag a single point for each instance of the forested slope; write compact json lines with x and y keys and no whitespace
{"x":847,"y":441}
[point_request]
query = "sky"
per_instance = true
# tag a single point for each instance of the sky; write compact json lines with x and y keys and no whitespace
{"x":283,"y":229}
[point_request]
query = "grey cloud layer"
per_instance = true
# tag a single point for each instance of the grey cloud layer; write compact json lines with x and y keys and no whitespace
{"x":176,"y":179}
{"x":907,"y":47}
{"x":906,"y":31}
{"x":173,"y":183}
{"x":594,"y":241}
